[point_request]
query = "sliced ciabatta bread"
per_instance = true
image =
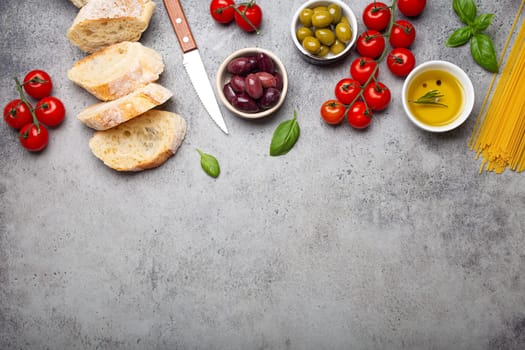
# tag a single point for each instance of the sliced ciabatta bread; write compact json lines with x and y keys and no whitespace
{"x":79,"y":3}
{"x":142,"y":143}
{"x":117,"y":70}
{"x":104,"y":22}
{"x":106,"y":115}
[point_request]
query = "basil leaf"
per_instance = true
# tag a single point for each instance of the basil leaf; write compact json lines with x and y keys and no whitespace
{"x":209,"y":164}
{"x":285,"y":136}
{"x":483,"y":52}
{"x":460,"y":37}
{"x":482,"y":22}
{"x":465,"y":9}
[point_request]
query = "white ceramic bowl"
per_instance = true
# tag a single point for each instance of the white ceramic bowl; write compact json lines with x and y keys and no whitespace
{"x":223,"y":77}
{"x":465,"y":82}
{"x":330,"y":58}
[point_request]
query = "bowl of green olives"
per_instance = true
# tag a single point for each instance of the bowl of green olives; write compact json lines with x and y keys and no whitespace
{"x":324,"y":31}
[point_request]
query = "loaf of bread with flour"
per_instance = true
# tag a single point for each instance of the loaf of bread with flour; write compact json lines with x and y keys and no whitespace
{"x":106,"y":115}
{"x":142,"y":143}
{"x":79,"y":3}
{"x":117,"y":70}
{"x":100,"y":23}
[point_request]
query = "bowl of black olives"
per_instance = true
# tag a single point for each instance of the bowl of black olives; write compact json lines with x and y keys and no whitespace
{"x":324,"y":31}
{"x":252,"y":83}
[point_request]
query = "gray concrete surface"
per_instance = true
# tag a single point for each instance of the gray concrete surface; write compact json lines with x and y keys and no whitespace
{"x":383,"y":239}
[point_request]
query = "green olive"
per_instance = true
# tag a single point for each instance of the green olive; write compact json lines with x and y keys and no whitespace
{"x":320,"y":8}
{"x":323,"y":51}
{"x":344,"y":20}
{"x":311,"y":44}
{"x":303,"y":32}
{"x":337,"y":47}
{"x":321,"y":19}
{"x":325,"y":36}
{"x":343,"y":32}
{"x":335,"y":11}
{"x":306,"y":17}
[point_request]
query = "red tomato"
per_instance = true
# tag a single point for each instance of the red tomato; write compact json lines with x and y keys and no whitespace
{"x":38,"y":84}
{"x":333,"y":112}
{"x":50,"y":111}
{"x":411,"y":8}
{"x":17,"y":114}
{"x":377,"y":96}
{"x":359,"y":117}
{"x":362,"y":68}
{"x":253,"y":14}
{"x":403,"y":34}
{"x":33,"y":138}
{"x":347,"y":90}
{"x":222,"y":11}
{"x":401,"y":61}
{"x":371,"y":44}
{"x":377,"y":16}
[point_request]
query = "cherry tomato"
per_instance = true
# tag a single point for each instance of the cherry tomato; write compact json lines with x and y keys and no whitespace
{"x":400,"y":61}
{"x":377,"y":96}
{"x":377,"y":16}
{"x":411,"y":8}
{"x":50,"y":111}
{"x":33,"y":138}
{"x":346,"y":90}
{"x":253,"y":13}
{"x":359,"y":117}
{"x":362,"y":68}
{"x":17,"y":114}
{"x":222,"y":11}
{"x":333,"y":112}
{"x":403,"y":34}
{"x":371,"y":43}
{"x":38,"y":84}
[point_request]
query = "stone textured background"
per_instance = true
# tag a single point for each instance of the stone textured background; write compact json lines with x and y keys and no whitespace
{"x":382,"y":239}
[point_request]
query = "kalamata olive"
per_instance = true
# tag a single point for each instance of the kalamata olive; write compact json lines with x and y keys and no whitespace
{"x":241,"y":66}
{"x":253,"y":86}
{"x":265,"y":63}
{"x":229,"y":92}
{"x":278,"y":81}
{"x":267,"y":79}
{"x":237,"y":83}
{"x":245,"y":103}
{"x":269,"y":97}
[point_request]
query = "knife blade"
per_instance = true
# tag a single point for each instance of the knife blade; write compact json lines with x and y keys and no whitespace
{"x":193,"y":63}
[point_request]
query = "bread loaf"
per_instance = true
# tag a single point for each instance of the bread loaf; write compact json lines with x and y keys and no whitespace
{"x":105,"y":115}
{"x":117,"y":70}
{"x":79,"y":3}
{"x":142,"y":143}
{"x":104,"y":22}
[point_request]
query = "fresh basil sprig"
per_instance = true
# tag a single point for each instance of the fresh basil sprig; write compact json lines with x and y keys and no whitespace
{"x":285,"y":136}
{"x":209,"y":164}
{"x":481,"y":45}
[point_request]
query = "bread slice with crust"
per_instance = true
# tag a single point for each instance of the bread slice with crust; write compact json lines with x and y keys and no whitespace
{"x":100,"y":23}
{"x":142,"y":143}
{"x":117,"y":70}
{"x":106,"y":115}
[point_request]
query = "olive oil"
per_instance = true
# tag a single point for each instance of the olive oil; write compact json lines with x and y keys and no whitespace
{"x":444,"y":108}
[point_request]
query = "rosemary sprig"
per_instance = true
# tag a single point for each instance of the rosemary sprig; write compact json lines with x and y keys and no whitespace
{"x":430,"y":98}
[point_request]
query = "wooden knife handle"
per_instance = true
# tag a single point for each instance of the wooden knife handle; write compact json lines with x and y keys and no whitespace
{"x":180,"y":25}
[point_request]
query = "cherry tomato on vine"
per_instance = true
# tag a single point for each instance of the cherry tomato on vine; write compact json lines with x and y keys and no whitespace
{"x":362,"y":68}
{"x":253,"y":13}
{"x":359,"y":117}
{"x":17,"y":114}
{"x":403,"y":34}
{"x":400,"y":61}
{"x":377,"y":16}
{"x":377,"y":96}
{"x":411,"y":8}
{"x":50,"y":111}
{"x":370,"y":43}
{"x":33,"y":138}
{"x":346,"y":90}
{"x":222,"y":11}
{"x":38,"y":84}
{"x":333,"y":112}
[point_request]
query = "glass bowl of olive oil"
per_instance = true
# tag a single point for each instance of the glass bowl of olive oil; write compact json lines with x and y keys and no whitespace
{"x":438,"y":96}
